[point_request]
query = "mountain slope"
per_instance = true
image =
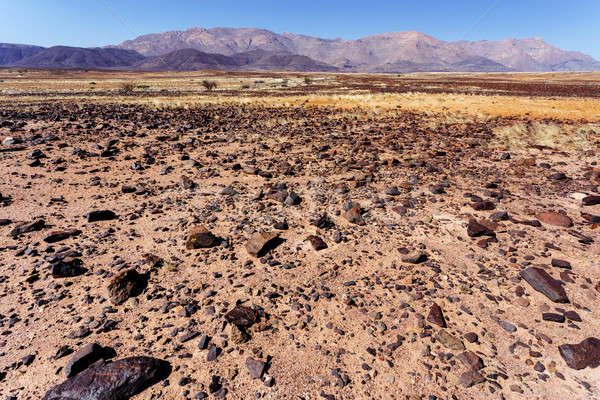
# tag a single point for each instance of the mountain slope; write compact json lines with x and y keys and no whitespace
{"x":530,"y":54}
{"x":77,"y":57}
{"x":191,"y":59}
{"x":12,"y":53}
{"x":389,"y":52}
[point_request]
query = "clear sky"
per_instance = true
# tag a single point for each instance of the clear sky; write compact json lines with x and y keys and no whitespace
{"x":571,"y":25}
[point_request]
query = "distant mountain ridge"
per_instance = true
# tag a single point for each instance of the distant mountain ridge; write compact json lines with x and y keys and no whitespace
{"x":191,"y":59}
{"x":388,"y":52}
{"x":12,"y":53}
{"x":261,"y":49}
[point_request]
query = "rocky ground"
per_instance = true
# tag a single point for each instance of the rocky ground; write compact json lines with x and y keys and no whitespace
{"x":205,"y":253}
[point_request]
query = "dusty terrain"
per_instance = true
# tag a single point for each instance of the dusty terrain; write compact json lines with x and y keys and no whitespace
{"x":410,"y":211}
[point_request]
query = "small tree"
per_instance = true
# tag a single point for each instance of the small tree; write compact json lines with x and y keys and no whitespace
{"x":209,"y":85}
{"x":307,"y":80}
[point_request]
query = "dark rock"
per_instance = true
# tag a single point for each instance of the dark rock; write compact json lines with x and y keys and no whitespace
{"x":483,"y":205}
{"x":541,"y":281}
{"x":581,"y":355}
{"x":471,"y":378}
{"x":126,"y":284}
{"x":572,"y":316}
{"x":470,"y":360}
{"x":590,"y":200}
{"x":241,"y":316}
{"x":67,"y":267}
{"x":83,"y":358}
{"x":25,"y":227}
{"x":255,"y":367}
{"x":260,"y":243}
{"x":475,"y":229}
{"x":201,"y":238}
{"x":561,"y":263}
{"x":119,"y":380}
{"x":354,"y":215}
{"x":436,"y":316}
{"x":213,"y":353}
{"x":553,"y":317}
{"x":57,"y":236}
{"x":100,"y":215}
{"x":316,"y":242}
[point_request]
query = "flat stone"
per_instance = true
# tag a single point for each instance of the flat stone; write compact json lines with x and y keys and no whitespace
{"x":470,"y":360}
{"x":553,"y":317}
{"x":555,"y":219}
{"x":541,"y":281}
{"x":255,"y":367}
{"x":471,"y":378}
{"x":581,"y":355}
{"x":57,"y":236}
{"x":201,"y":238}
{"x":590,"y":200}
{"x":83,"y":358}
{"x":100,"y":215}
{"x":414,"y":257}
{"x":450,"y":341}
{"x":561,"y":263}
{"x":260,"y":243}
{"x":118,"y":380}
{"x":25,"y":227}
{"x":507,"y":326}
{"x":436,"y":316}
{"x":475,"y":229}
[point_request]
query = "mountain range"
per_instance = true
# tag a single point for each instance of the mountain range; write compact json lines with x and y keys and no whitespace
{"x":260,"y":49}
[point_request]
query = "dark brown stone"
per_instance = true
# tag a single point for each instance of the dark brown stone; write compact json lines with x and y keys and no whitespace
{"x":590,"y":200}
{"x":126,"y":284}
{"x":119,"y":380}
{"x":201,"y":238}
{"x":83,"y":358}
{"x":316,"y":242}
{"x":471,"y":378}
{"x":57,"y":236}
{"x":475,"y":229}
{"x":541,"y":281}
{"x":470,"y":360}
{"x":436,"y":316}
{"x":25,"y":227}
{"x":581,"y":355}
{"x":241,"y":316}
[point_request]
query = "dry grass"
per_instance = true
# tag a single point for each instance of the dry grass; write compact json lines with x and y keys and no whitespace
{"x":564,"y":137}
{"x":184,"y":89}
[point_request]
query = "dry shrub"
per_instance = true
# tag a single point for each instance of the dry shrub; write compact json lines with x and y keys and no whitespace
{"x":559,"y":137}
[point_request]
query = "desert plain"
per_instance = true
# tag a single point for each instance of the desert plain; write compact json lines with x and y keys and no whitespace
{"x":300,"y":235}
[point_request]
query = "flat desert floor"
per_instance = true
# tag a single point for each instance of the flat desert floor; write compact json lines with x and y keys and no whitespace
{"x":300,"y":236}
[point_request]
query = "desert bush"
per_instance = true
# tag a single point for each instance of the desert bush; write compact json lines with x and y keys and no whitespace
{"x":127,"y":88}
{"x":307,"y":80}
{"x":209,"y":85}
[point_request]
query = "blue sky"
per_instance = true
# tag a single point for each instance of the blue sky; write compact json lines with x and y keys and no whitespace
{"x":571,"y":25}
